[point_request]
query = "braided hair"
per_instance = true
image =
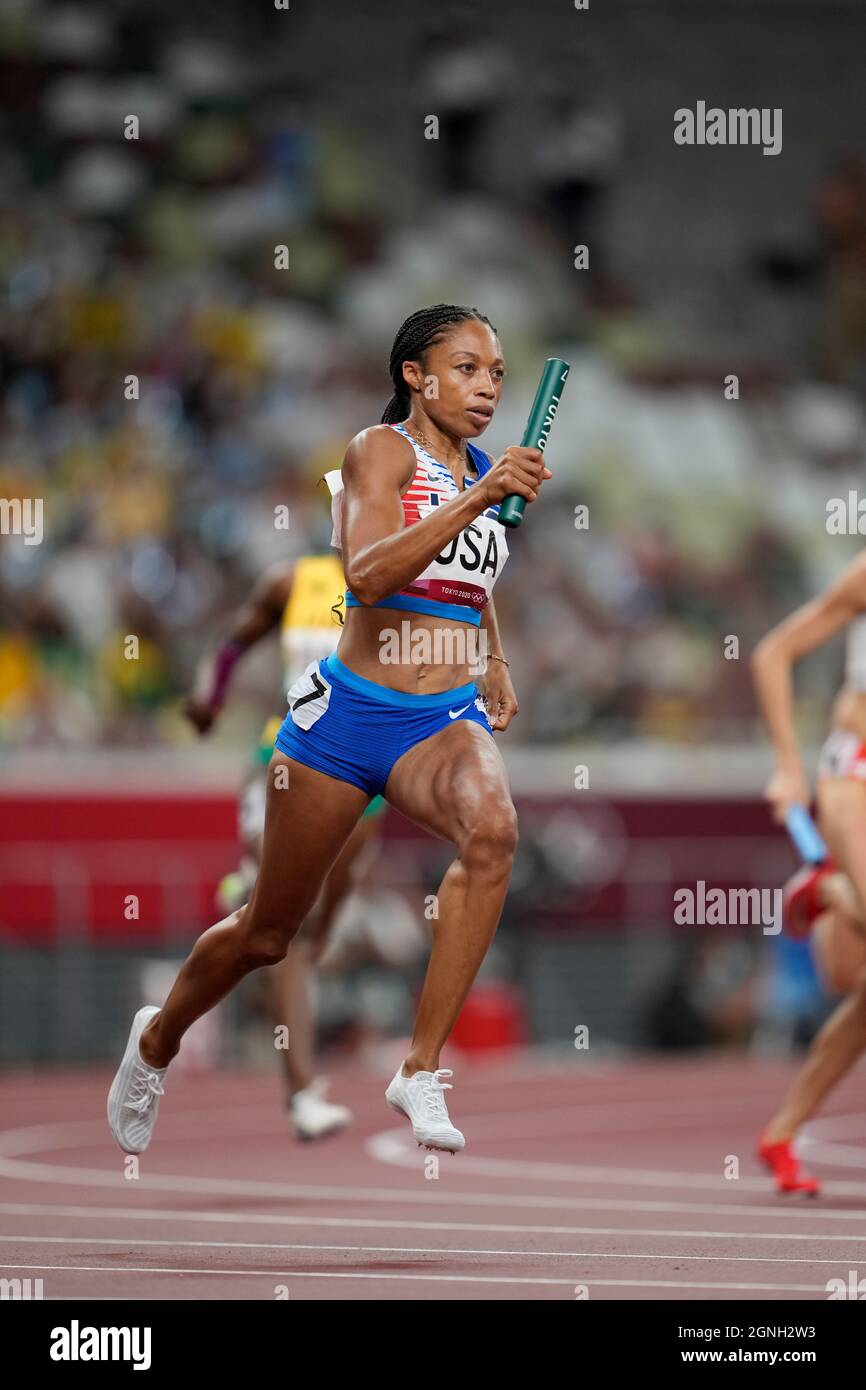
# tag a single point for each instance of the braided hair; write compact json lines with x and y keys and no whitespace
{"x":414,"y":337}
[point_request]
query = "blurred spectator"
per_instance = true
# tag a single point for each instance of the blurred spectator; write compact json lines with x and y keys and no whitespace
{"x":841,"y":210}
{"x":464,"y":78}
{"x":578,"y":151}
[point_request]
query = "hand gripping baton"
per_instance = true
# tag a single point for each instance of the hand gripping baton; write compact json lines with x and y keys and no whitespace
{"x":541,"y":416}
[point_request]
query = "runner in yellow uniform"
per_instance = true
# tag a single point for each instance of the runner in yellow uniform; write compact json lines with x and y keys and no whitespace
{"x":303,"y":598}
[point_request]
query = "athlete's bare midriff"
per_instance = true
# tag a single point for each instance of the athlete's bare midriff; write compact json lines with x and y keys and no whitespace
{"x":849,"y":711}
{"x":389,"y":646}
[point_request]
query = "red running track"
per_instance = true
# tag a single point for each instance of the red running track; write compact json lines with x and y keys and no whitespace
{"x":597,"y":1180}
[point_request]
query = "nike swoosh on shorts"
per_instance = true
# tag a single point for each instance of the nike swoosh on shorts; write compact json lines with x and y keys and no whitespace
{"x":454,"y":713}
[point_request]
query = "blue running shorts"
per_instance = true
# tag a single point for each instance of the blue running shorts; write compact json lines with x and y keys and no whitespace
{"x":355,"y":729}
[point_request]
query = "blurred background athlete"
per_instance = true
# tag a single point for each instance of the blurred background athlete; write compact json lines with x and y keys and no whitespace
{"x":301,"y":598}
{"x":832,"y":896}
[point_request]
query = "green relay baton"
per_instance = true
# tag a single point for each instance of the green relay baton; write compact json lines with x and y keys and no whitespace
{"x":544,"y":408}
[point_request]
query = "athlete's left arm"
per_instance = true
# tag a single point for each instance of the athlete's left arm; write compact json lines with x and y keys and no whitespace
{"x":495,"y":685}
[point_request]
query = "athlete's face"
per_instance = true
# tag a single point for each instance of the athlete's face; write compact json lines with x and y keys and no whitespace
{"x":462,"y":379}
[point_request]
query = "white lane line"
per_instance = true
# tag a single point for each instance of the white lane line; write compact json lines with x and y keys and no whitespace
{"x":523,"y":1122}
{"x":817,"y":1140}
{"x":786,"y":1209}
{"x":837,"y":1155}
{"x":428,"y":1278}
{"x":583,"y":1117}
{"x":172,"y":1216}
{"x":398,"y":1148}
{"x":449,"y":1252}
{"x":839,"y":1126}
{"x":391,"y":1146}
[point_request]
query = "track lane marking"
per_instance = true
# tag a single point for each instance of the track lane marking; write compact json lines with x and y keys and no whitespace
{"x":398,"y":1148}
{"x":171,"y":1214}
{"x":428,"y":1278}
{"x":448,"y":1251}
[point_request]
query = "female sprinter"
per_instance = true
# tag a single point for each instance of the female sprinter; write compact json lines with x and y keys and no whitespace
{"x":392,"y":712}
{"x":836,"y":901}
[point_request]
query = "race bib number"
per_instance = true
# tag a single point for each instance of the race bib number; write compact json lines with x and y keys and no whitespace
{"x":309,"y":697}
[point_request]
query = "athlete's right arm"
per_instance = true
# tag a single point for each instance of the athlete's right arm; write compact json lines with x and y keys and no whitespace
{"x":773,"y":659}
{"x":254,"y":620}
{"x":381,"y":555}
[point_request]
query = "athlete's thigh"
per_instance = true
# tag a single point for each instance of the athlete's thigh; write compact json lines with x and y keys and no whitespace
{"x":308,"y":819}
{"x":840,"y":951}
{"x":842,"y":818}
{"x":443,"y":782}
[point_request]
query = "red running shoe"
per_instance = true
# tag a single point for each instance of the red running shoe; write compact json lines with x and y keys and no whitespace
{"x":800,"y":901}
{"x":785,"y":1167}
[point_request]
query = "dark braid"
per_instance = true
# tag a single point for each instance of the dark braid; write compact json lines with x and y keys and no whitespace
{"x":418,"y":333}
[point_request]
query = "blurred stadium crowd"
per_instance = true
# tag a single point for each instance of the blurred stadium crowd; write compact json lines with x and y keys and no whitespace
{"x":154,"y":258}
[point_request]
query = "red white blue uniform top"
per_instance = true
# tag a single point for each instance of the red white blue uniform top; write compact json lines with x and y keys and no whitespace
{"x":459,"y":582}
